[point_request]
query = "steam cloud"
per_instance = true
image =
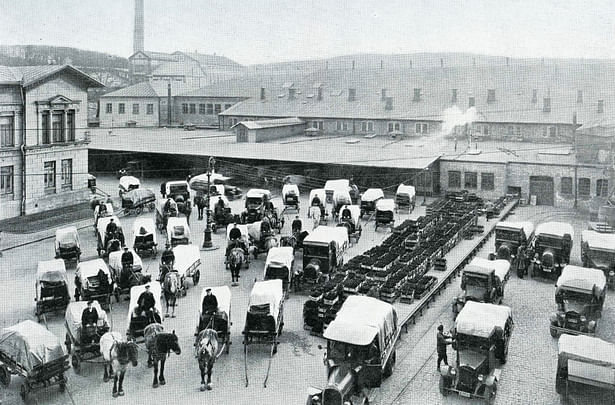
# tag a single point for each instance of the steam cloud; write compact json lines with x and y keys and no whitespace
{"x":453,"y":117}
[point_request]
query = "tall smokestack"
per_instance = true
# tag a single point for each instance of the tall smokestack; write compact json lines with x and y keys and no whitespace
{"x":137,"y":40}
{"x":169,"y":102}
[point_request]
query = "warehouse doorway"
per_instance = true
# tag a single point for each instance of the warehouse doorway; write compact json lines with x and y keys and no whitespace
{"x":542,"y":188}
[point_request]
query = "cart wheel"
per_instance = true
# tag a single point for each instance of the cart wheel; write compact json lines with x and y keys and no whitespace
{"x":443,"y":386}
{"x":76,"y":363}
{"x":5,"y":376}
{"x":490,"y":393}
{"x":139,"y":211}
{"x":23,"y":391}
{"x":196,"y":277}
{"x":68,"y":344}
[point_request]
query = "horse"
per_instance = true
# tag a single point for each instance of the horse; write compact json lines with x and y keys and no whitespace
{"x":236,"y":260}
{"x":314,"y":214}
{"x":159,"y":344}
{"x":171,"y":289}
{"x":117,"y":353}
{"x":207,"y":354}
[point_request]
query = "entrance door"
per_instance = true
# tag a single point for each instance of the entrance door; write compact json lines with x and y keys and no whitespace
{"x":542,"y":188}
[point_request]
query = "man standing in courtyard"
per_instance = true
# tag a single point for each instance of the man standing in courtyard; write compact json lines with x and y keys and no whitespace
{"x":443,"y":340}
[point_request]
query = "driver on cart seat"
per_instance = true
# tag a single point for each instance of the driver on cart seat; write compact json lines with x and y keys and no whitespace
{"x":346,"y":215}
{"x":235,"y":240}
{"x":111,"y":228}
{"x":296,"y":225}
{"x":219,"y":206}
{"x":316,"y":201}
{"x":89,"y":318}
{"x":146,"y":303}
{"x":166,"y":262}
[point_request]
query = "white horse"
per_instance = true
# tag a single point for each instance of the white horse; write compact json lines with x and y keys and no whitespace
{"x":117,"y":353}
{"x":314,"y":215}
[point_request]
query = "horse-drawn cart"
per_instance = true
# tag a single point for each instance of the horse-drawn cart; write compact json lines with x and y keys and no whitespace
{"x":385,"y":213}
{"x":31,"y":351}
{"x":68,"y":246}
{"x":178,"y":231}
{"x":94,"y":281}
{"x":108,"y":242}
{"x":125,"y":279}
{"x":137,"y":322}
{"x":290,"y":197}
{"x":135,"y":201}
{"x":351,"y":221}
{"x":188,"y":264}
{"x":144,"y":236}
{"x":82,"y":343}
{"x":51,"y":287}
{"x":280,"y":265}
{"x":264,"y":319}
{"x":220,"y":321}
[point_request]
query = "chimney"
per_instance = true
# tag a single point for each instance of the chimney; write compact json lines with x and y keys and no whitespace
{"x":384,"y":95}
{"x":490,"y":96}
{"x":574,"y":118}
{"x":381,"y":63}
{"x":138,"y":35}
{"x":389,"y":104}
{"x":534,"y":96}
{"x":417,"y":95}
{"x":442,"y":63}
{"x":600,"y":106}
{"x":319,"y":97}
{"x":262,"y":93}
{"x":546,"y":104}
{"x":579,"y":96}
{"x":352,"y":94}
{"x":169,"y":103}
{"x":454,"y":97}
{"x":471,"y":101}
{"x":291,"y":93}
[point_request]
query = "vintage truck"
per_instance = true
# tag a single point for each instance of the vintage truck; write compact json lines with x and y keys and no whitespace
{"x":509,"y":236}
{"x":598,"y":252}
{"x":551,"y":247}
{"x":482,"y":281}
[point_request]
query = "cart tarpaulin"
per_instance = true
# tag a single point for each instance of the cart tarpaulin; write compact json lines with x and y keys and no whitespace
{"x":143,"y":227}
{"x":291,"y":189}
{"x":127,"y":181}
{"x":91,"y":269}
{"x":186,"y":256}
{"x":582,"y":278}
{"x":527,"y":227}
{"x":67,"y":237}
{"x":403,"y":189}
{"x":115,"y":260}
{"x":597,"y":240}
{"x":385,"y":205}
{"x":30,"y":345}
{"x":480,"y":319}
{"x":52,"y":271}
{"x":280,"y":256}
{"x":139,"y":195}
{"x":73,"y":317}
{"x":500,"y":267}
{"x":555,"y":229}
{"x":587,"y":349}
{"x":137,"y":290}
{"x":372,"y":194}
{"x":268,"y":293}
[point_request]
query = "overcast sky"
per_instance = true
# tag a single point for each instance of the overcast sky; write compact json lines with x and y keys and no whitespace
{"x":263,"y":31}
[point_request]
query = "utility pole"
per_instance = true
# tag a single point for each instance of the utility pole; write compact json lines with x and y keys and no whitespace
{"x":207,"y":243}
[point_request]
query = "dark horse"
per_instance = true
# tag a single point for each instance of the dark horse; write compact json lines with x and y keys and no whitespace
{"x":159,"y":344}
{"x":207,"y":354}
{"x":171,"y":290}
{"x":236,"y":260}
{"x":117,"y":353}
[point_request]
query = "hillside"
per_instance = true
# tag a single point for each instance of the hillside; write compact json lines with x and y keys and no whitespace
{"x":24,"y":55}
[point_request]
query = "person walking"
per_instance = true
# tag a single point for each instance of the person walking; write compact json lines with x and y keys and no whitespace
{"x":443,"y":340}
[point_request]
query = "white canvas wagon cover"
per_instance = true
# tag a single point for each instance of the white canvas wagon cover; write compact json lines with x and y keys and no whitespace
{"x":360,"y":319}
{"x":342,"y":196}
{"x":51,"y":271}
{"x":280,"y":256}
{"x":340,"y":184}
{"x":320,"y":192}
{"x":214,"y":200}
{"x":327,"y":234}
{"x":30,"y":344}
{"x":268,"y":292}
{"x":597,"y":240}
{"x":127,"y":181}
{"x":223,"y":296}
{"x":372,"y":194}
{"x":290,"y":189}
{"x":582,"y":278}
{"x":500,"y":267}
{"x":103,"y":222}
{"x":115,"y":260}
{"x":142,"y":227}
{"x":480,"y":319}
{"x":254,"y":230}
{"x":91,"y":269}
{"x":72,"y":318}
{"x":527,"y":227}
{"x":67,"y":237}
{"x":555,"y":228}
{"x":242,"y":228}
{"x":258,"y":193}
{"x":403,"y":189}
{"x":177,"y":227}
{"x":136,"y":291}
{"x":185,"y":257}
{"x":587,"y":349}
{"x":387,"y":204}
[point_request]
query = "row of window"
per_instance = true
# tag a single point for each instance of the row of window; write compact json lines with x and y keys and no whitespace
{"x":470,"y":180}
{"x":58,"y":127}
{"x":7,"y":177}
{"x":368,"y":126}
{"x":121,"y":108}
{"x":209,"y":108}
{"x":584,"y":187}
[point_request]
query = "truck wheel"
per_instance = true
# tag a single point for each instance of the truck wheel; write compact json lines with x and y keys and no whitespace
{"x":76,"y":363}
{"x":554,"y":333}
{"x":5,"y":376}
{"x":443,"y":385}
{"x":388,"y":369}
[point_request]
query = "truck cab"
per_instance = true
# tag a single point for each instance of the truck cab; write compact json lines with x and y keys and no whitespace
{"x":509,"y":236}
{"x":482,"y":281}
{"x":323,"y":252}
{"x":551,"y":247}
{"x":579,"y":296}
{"x":598,"y":252}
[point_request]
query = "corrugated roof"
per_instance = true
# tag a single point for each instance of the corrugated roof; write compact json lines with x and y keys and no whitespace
{"x":211,"y":60}
{"x":152,"y":88}
{"x":161,"y":56}
{"x":262,"y":124}
{"x":184,"y":68}
{"x":29,"y":75}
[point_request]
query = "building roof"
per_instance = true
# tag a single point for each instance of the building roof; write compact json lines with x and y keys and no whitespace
{"x":31,"y":75}
{"x":183,"y":68}
{"x":211,"y":60}
{"x":152,"y":88}
{"x":162,"y":56}
{"x":262,"y":124}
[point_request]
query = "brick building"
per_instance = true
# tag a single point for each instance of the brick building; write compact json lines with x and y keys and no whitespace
{"x":43,"y":148}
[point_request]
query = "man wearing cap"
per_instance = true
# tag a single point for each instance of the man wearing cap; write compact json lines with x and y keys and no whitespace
{"x":146,"y":302}
{"x":296,"y":225}
{"x":89,"y":318}
{"x":442,"y":341}
{"x":111,"y":227}
{"x":210,"y":303}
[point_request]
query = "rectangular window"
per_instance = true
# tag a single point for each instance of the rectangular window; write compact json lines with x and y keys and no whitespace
{"x":511,"y":130}
{"x":210,"y":109}
{"x":566,"y":186}
{"x":6,"y":180}
{"x":70,"y":125}
{"x":470,"y":180}
{"x":602,"y":188}
{"x":121,"y":108}
{"x":487,"y":181}
{"x":202,"y":109}
{"x":57,"y":127}
{"x":192,"y":108}
{"x":135,"y":109}
{"x":486,"y":130}
{"x":320,"y":125}
{"x":50,"y":177}
{"x":367,"y":126}
{"x":420,"y":128}
{"x":45,"y":127}
{"x":552,"y":132}
{"x":67,"y":174}
{"x":518,"y":129}
{"x":184,"y":108}
{"x":109,"y":109}
{"x":227,"y":106}
{"x":7,"y":132}
{"x":217,"y":109}
{"x":342,"y":126}
{"x":584,"y":187}
{"x":424,"y":128}
{"x":150,"y":109}
{"x":454,"y":179}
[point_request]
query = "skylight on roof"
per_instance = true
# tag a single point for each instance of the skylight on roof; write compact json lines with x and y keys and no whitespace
{"x":309,"y":95}
{"x":288,"y":85}
{"x":281,"y":95}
